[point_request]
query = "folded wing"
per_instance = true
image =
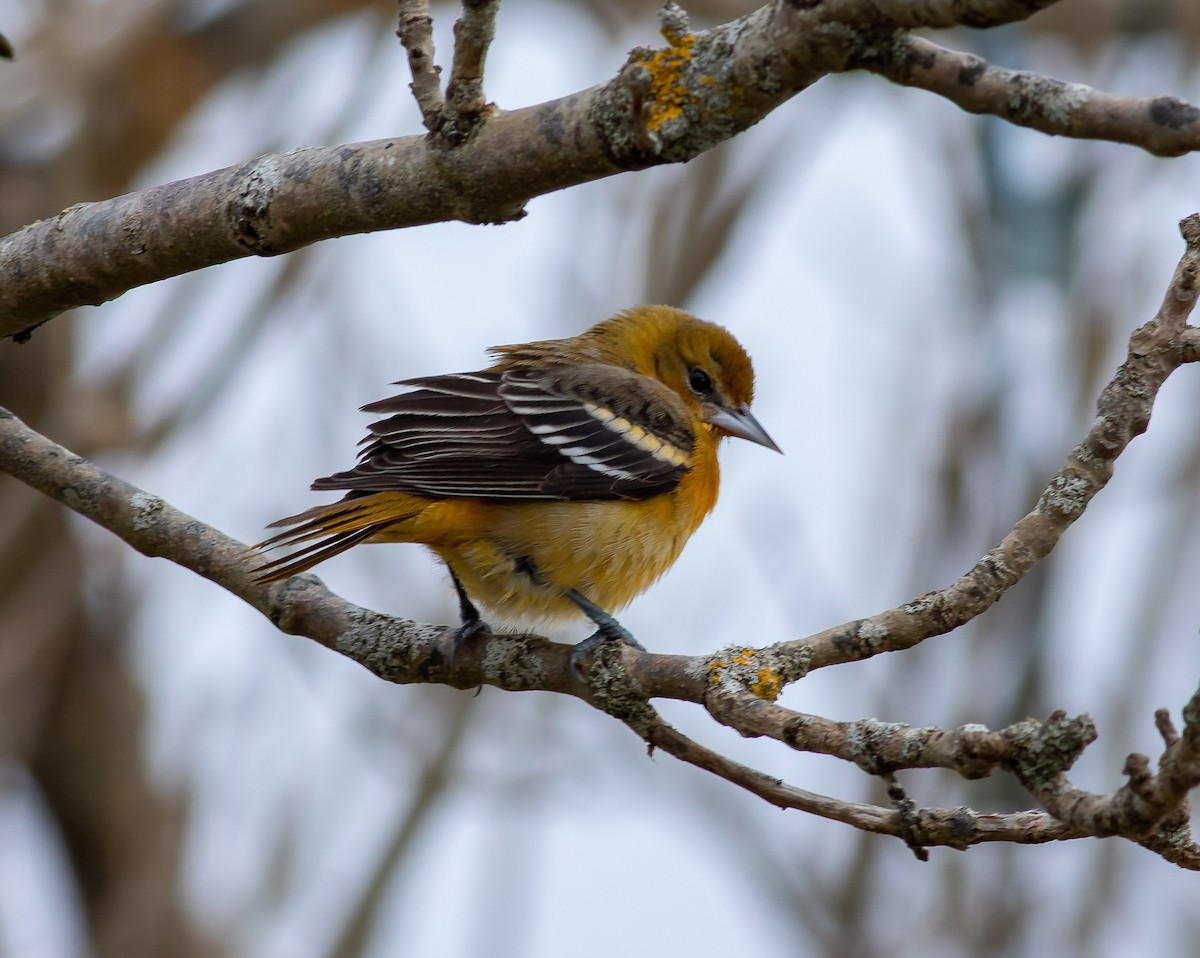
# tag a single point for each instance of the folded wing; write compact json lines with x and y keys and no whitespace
{"x":587,"y":431}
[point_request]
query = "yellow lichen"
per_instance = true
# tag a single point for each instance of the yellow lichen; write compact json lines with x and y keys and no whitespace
{"x":667,"y":87}
{"x":673,"y":75}
{"x":769,"y":684}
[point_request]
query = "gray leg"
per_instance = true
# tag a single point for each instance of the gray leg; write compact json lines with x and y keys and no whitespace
{"x":472,"y":622}
{"x":608,"y":629}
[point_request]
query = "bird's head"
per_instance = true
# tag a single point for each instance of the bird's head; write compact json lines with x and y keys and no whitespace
{"x":703,"y":363}
{"x":700,"y":361}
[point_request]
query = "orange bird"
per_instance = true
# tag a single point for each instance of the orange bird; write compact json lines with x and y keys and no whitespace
{"x":565,"y":479}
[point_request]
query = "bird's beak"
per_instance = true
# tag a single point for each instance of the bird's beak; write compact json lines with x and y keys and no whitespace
{"x":739,"y":422}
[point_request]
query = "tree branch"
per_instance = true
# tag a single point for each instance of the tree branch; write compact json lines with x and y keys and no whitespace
{"x":705,"y":90}
{"x":739,"y":686}
{"x":406,"y":652}
{"x":666,"y":105}
{"x":1162,"y":125}
{"x":1156,"y":350}
{"x":473,"y":34}
{"x":951,"y":827}
{"x":954,"y":13}
{"x":415,"y":31}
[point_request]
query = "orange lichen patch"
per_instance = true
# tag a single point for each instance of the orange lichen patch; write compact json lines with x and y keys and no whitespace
{"x":667,"y":68}
{"x":676,"y":85}
{"x":764,"y":682}
{"x":769,"y":685}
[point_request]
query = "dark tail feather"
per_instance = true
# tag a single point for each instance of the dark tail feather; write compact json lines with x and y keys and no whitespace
{"x":336,"y":527}
{"x":286,"y":566}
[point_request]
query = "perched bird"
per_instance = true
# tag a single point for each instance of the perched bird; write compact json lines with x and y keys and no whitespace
{"x":564,"y":479}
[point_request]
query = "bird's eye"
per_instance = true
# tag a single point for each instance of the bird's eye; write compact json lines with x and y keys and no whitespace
{"x":699,"y":380}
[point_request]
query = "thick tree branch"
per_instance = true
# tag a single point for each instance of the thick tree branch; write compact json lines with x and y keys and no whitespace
{"x":703,"y":90}
{"x":483,"y":165}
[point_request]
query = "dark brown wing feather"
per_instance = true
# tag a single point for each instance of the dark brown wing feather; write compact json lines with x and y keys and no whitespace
{"x":525,"y":434}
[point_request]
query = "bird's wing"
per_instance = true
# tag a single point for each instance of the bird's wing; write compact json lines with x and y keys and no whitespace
{"x":586,"y":431}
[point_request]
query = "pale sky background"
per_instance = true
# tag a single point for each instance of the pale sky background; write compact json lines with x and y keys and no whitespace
{"x":852,"y":282}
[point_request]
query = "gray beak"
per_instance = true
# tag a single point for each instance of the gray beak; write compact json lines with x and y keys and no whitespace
{"x":741,"y":423}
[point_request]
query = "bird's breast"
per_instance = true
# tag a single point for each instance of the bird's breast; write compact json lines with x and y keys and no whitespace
{"x":609,"y":551}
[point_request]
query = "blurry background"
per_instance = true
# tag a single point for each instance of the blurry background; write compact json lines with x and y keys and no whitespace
{"x":933,"y":301}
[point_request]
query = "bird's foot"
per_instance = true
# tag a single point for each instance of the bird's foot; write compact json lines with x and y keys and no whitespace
{"x":610,"y":632}
{"x":472,"y":621}
{"x":469,"y":628}
{"x":607,"y":629}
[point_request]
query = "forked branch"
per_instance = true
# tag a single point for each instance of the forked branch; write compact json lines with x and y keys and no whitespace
{"x":455,"y":116}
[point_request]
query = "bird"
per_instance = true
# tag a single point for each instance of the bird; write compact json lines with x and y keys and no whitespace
{"x":562,"y":480}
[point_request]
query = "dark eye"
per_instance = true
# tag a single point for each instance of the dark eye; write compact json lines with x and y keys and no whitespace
{"x":699,"y":380}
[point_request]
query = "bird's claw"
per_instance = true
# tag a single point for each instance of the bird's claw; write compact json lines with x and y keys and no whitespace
{"x":460,"y":636}
{"x":612,"y":633}
{"x":469,"y":628}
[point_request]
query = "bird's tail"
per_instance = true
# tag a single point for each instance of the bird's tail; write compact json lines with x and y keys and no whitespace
{"x":330,"y":530}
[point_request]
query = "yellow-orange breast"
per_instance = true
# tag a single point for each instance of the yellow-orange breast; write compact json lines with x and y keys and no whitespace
{"x":517,"y":559}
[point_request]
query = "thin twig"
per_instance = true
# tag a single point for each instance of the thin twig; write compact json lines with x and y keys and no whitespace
{"x":1162,"y":125}
{"x":952,"y":827}
{"x":415,"y":31}
{"x":473,"y":35}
